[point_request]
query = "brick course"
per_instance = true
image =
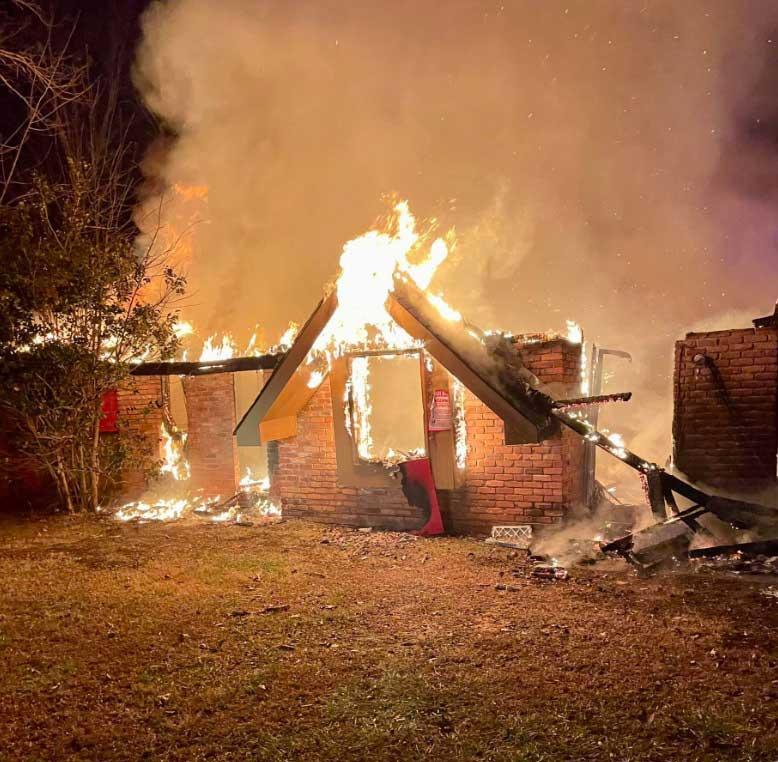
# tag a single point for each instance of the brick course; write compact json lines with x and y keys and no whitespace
{"x":725,"y":424}
{"x":211,"y":447}
{"x":140,"y":412}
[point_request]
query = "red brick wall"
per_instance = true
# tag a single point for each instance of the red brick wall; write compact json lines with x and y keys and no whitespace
{"x":520,"y":484}
{"x":305,"y":479}
{"x":211,"y":447}
{"x":503,"y":483}
{"x":726,"y":408}
{"x":140,"y":412}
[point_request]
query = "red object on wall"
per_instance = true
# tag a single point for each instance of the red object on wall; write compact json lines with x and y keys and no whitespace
{"x":419,"y":489}
{"x":109,"y":421}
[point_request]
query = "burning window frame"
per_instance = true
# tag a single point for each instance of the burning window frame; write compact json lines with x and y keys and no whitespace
{"x":359,"y":405}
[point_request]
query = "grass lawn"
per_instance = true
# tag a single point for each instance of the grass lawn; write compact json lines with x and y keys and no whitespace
{"x":297,"y":642}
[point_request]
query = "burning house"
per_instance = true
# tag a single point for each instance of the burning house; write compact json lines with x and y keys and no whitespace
{"x":389,"y":409}
{"x":384,"y":374}
{"x":335,"y":439}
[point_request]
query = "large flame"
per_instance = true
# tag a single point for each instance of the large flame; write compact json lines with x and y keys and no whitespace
{"x":252,"y":482}
{"x":361,"y":322}
{"x":368,"y":265}
{"x":214,"y":350}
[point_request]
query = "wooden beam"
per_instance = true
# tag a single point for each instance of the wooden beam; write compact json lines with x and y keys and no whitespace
{"x":207,"y":367}
{"x":275,"y":389}
{"x":277,"y":428}
{"x":529,"y":424}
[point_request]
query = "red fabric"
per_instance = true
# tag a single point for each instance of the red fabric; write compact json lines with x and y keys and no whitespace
{"x":418,"y":474}
{"x":110,"y":419}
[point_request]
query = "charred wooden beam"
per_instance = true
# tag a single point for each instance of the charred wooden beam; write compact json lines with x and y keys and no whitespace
{"x":655,"y":491}
{"x":597,"y":399}
{"x":664,"y":542}
{"x":207,"y":367}
{"x":743,"y":515}
{"x":759,"y":548}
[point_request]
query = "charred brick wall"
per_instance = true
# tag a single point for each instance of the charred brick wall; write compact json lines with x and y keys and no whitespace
{"x":520,"y":484}
{"x":726,"y":408}
{"x":305,"y":478}
{"x":211,"y":447}
{"x":533,"y":484}
{"x":140,"y":415}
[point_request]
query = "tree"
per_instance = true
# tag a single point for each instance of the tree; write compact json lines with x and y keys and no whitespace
{"x":81,"y":298}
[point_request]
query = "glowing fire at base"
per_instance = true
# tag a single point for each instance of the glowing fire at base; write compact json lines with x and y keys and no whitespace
{"x":251,"y":501}
{"x":251,"y":482}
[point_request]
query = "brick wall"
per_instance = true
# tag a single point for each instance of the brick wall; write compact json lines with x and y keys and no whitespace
{"x":305,"y":478}
{"x":211,"y":447}
{"x":140,"y":413}
{"x":503,"y":483}
{"x":726,"y":408}
{"x":520,"y":484}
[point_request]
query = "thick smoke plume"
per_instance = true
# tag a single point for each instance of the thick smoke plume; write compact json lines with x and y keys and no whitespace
{"x":603,"y":161}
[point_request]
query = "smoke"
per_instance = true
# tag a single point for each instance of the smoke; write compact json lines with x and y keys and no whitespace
{"x":600,"y":161}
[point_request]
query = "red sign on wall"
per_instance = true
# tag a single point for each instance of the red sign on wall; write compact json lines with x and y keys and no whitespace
{"x":440,"y":412}
{"x":109,"y":420}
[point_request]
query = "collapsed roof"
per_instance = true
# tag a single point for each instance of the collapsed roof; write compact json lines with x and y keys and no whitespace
{"x":489,"y":366}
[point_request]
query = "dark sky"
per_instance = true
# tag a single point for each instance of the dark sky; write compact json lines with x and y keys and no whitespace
{"x":606,"y":161}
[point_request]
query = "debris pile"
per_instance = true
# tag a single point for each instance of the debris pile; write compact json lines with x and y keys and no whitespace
{"x":745,"y":558}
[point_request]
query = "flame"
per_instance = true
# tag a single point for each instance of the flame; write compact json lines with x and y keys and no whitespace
{"x":250,"y":481}
{"x":358,"y":390}
{"x":460,"y":428}
{"x":183,"y":328}
{"x":174,"y":461}
{"x":316,"y":378}
{"x":444,"y":309}
{"x":161,"y":510}
{"x":368,"y":266}
{"x":288,"y":337}
{"x":585,"y":380}
{"x":574,"y":332}
{"x":191,"y":192}
{"x":616,"y":444}
{"x":252,"y":349}
{"x":213,"y":351}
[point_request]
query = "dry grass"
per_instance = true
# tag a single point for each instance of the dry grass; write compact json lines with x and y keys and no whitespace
{"x":155,"y":642}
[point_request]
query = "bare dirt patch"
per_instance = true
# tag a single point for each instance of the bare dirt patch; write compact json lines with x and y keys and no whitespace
{"x":298,"y":642}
